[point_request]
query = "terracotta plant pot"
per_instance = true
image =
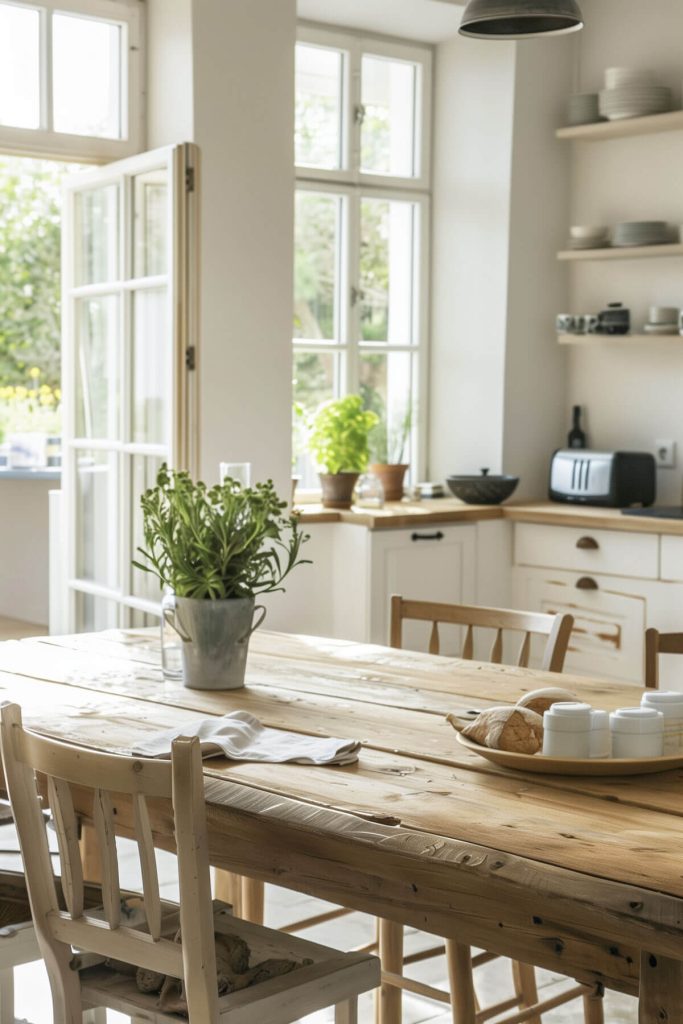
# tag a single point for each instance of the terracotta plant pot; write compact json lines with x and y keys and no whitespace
{"x":338,"y":489}
{"x":391,"y":474}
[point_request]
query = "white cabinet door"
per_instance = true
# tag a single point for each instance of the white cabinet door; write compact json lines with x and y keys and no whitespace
{"x":428,"y":564}
{"x":610,"y":621}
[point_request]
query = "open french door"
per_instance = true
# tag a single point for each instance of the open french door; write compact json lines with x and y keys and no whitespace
{"x":128,"y":343}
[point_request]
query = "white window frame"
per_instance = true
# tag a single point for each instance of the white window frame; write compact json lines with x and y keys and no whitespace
{"x":49,"y":144}
{"x":354,"y":185}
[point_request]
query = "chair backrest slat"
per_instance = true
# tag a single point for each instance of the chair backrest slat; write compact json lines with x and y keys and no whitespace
{"x":98,"y":775}
{"x":556,"y":628}
{"x":467,"y":651}
{"x":524,"y":652}
{"x":148,"y":866}
{"x":66,"y":827}
{"x":496,"y":655}
{"x":657,"y":643}
{"x":434,"y":639}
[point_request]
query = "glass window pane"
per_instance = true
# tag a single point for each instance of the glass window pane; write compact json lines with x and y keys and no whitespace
{"x":387,"y":270}
{"x":318,"y":133}
{"x":151,"y":366}
{"x":316,"y":266}
{"x":97,"y":235}
{"x":19,"y":67}
{"x":95,"y":613}
{"x":143,"y":474}
{"x":150,"y":227}
{"x":315,"y":379}
{"x":97,"y":367}
{"x":86,"y":76}
{"x":388,"y":94}
{"x":386,"y":384}
{"x":96,"y":517}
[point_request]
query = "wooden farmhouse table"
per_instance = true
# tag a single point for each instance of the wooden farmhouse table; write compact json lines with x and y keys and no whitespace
{"x":582,"y":876}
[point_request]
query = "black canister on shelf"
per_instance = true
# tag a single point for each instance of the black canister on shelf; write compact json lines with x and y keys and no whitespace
{"x":576,"y":438}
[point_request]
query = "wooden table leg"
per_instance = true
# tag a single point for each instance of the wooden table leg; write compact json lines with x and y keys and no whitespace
{"x":228,"y":888}
{"x":253,"y":898}
{"x":90,"y":855}
{"x":661,"y":990}
{"x":388,"y":998}
{"x":593,"y":1008}
{"x":526,"y":990}
{"x":461,"y":982}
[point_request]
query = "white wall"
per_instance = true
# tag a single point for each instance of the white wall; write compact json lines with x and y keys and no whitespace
{"x":24,"y":590}
{"x":632,"y":394}
{"x":473,"y":107}
{"x":222,"y":75}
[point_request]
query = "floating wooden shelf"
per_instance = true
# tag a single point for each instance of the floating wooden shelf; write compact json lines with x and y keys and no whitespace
{"x":601,"y":130}
{"x":626,"y":339}
{"x":633,"y":252}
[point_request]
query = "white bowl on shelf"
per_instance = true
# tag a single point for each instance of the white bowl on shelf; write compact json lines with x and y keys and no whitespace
{"x":588,"y":231}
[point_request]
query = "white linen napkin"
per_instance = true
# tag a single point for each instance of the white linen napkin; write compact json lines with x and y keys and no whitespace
{"x":241,"y":737}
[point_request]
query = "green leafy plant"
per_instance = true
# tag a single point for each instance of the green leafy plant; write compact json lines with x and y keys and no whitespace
{"x":226,"y":541}
{"x":388,"y":440}
{"x":338,"y":435}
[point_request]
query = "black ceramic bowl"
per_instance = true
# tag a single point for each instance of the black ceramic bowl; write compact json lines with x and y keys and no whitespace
{"x":482,"y":489}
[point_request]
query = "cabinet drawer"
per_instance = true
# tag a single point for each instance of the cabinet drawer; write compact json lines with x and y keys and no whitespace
{"x":672,"y":558}
{"x":609,"y":625}
{"x":577,"y":550}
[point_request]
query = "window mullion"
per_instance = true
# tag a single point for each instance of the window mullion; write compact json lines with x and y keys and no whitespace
{"x":352,"y":294}
{"x":46,"y":105}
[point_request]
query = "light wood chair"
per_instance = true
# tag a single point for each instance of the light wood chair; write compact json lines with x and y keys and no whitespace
{"x":524,"y":1003}
{"x":557,"y":629}
{"x":328,"y":978}
{"x":657,"y":643}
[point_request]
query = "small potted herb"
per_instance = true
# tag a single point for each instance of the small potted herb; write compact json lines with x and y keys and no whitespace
{"x":388,"y":443}
{"x":216,"y":549}
{"x":338,"y":441}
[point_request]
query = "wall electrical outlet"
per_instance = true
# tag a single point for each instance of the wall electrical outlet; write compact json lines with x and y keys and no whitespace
{"x":665,"y":454}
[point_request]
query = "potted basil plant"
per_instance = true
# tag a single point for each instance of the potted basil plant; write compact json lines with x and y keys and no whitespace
{"x":216,"y":549}
{"x":338,"y":441}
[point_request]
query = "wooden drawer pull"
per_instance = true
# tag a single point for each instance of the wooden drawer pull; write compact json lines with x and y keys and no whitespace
{"x":587,"y":544}
{"x":586,"y":583}
{"x":427,"y":536}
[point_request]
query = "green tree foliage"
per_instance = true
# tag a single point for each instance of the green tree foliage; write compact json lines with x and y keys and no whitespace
{"x":30,"y":232}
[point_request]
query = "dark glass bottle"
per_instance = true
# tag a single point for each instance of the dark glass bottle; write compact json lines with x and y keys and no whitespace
{"x":576,"y":437}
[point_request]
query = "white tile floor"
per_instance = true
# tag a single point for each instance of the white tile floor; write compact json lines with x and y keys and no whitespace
{"x":33,"y":1002}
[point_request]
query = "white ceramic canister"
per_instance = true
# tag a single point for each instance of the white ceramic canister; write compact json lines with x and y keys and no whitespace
{"x":670,"y":703}
{"x":601,"y":740}
{"x":637,"y":732}
{"x":567,"y":730}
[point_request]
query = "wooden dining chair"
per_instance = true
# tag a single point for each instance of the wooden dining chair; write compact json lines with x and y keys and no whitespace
{"x":657,"y":643}
{"x":557,"y":629}
{"x":323,"y":977}
{"x":524,"y":1002}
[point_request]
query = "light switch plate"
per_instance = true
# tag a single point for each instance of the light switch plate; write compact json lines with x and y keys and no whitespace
{"x":665,"y":454}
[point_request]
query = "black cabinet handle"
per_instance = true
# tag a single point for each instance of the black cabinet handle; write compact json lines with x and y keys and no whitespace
{"x":587,"y":544}
{"x":427,"y":536}
{"x":586,"y":583}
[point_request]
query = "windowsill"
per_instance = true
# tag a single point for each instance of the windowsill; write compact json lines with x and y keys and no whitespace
{"x":41,"y":473}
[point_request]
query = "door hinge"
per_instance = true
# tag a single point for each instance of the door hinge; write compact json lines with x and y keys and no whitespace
{"x":189,"y":179}
{"x":191,"y":358}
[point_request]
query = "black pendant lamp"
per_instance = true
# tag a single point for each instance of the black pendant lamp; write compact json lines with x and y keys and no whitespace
{"x":520,"y":19}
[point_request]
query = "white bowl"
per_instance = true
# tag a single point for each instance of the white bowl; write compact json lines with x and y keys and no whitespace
{"x":589,"y":231}
{"x":614,"y":77}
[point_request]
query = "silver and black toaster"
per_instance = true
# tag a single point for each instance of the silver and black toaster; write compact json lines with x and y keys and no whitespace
{"x":612,"y":479}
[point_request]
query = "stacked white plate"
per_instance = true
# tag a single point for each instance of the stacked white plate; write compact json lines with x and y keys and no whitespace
{"x":663,"y":320}
{"x":641,"y":232}
{"x":588,"y":237}
{"x":629,"y":92}
{"x":582,"y":108}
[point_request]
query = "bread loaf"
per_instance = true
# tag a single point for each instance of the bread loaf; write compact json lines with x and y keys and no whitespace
{"x":540,"y":700}
{"x":508,"y":728}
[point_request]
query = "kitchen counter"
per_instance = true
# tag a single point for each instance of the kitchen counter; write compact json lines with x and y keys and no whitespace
{"x":428,"y":512}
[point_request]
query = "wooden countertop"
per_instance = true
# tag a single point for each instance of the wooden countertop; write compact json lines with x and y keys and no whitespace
{"x":398,"y":514}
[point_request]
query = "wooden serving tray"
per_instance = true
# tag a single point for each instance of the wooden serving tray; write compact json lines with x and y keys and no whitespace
{"x":573,"y":766}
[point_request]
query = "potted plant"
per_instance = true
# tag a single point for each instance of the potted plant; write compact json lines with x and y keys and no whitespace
{"x":387,"y":450}
{"x":216,"y":549}
{"x":338,"y":441}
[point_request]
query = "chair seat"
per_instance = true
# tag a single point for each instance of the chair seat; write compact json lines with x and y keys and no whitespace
{"x":331,"y":978}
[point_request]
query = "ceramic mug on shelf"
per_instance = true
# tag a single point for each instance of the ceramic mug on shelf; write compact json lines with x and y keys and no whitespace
{"x":585,"y":324}
{"x":564,"y":323}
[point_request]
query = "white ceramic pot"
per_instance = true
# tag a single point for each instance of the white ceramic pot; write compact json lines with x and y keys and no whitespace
{"x":670,"y":703}
{"x":601,"y":741}
{"x":567,"y":730}
{"x":637,"y":732}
